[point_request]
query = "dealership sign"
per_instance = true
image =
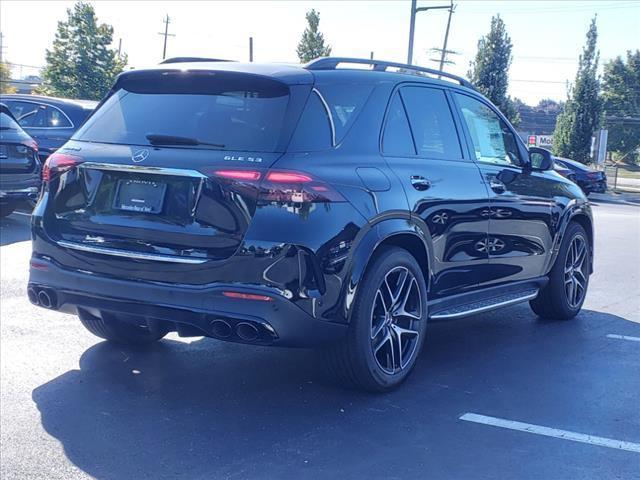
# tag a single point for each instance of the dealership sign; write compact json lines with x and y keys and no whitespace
{"x":544,"y":141}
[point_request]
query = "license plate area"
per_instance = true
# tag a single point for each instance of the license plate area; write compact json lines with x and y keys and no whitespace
{"x":143,"y":196}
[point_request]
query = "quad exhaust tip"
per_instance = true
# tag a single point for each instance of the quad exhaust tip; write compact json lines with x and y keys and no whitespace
{"x":45,"y":299}
{"x":247,"y":332}
{"x":33,"y":296}
{"x":221,"y":329}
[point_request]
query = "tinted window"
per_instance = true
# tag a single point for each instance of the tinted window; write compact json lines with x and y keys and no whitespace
{"x":237,"y":111}
{"x":431,"y":122}
{"x":7,"y":123}
{"x":345,"y":102}
{"x":56,"y":119}
{"x":313,"y":131}
{"x":493,"y":141}
{"x":396,"y":139}
{"x":27,"y":114}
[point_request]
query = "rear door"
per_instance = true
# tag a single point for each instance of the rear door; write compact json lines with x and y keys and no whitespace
{"x":444,"y":188}
{"x":521,"y":225}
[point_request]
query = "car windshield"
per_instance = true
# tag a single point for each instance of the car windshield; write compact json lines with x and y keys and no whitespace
{"x":7,"y":123}
{"x":240,"y":113}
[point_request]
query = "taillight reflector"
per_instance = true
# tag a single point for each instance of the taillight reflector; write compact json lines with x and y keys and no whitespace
{"x":247,"y":296}
{"x":288,"y":177}
{"x":239,"y":174}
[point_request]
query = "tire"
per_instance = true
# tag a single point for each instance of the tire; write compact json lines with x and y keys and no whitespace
{"x":6,"y":210}
{"x":564,"y":294}
{"x":115,"y":328}
{"x":355,"y":361}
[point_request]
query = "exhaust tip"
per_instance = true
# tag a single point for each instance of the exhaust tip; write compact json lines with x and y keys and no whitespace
{"x":247,"y":331}
{"x":33,"y":295}
{"x":220,"y":328}
{"x":44,"y":299}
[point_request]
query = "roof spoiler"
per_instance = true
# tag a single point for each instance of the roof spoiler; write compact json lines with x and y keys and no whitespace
{"x":192,"y":59}
{"x":331,"y":63}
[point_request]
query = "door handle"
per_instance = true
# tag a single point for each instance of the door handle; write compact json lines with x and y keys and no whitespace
{"x":419,"y":182}
{"x":496,"y":185}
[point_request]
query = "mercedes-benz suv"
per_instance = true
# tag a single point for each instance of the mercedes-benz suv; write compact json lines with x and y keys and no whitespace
{"x":320,"y":205}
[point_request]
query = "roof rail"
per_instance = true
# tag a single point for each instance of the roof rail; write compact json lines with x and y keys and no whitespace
{"x":192,"y":59}
{"x":331,"y":63}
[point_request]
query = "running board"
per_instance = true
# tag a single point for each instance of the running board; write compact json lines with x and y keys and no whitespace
{"x":485,"y":305}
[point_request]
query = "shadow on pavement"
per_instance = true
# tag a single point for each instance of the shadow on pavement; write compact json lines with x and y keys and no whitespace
{"x":14,"y":228}
{"x":215,"y":410}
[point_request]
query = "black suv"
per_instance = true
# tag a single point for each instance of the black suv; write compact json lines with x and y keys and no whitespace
{"x":318,"y":205}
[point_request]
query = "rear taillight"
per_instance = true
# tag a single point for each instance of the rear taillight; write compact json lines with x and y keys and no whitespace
{"x":296,"y":187}
{"x":58,"y":163}
{"x":282,"y":186}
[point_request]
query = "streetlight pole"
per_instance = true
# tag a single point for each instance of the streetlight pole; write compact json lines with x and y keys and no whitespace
{"x":412,"y":25}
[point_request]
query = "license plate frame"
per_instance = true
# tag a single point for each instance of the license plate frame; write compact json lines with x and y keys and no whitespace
{"x":139,"y":196}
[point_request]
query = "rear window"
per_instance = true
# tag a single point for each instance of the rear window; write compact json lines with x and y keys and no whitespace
{"x":238,"y":111}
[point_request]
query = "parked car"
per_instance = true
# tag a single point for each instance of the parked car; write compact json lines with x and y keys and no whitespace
{"x":588,"y":179}
{"x":315,"y":205}
{"x":564,"y":171}
{"x":50,"y":121}
{"x":19,"y":165}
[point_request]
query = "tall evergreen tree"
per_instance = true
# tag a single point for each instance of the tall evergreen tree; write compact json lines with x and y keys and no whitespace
{"x":621,"y":103}
{"x":311,"y":45}
{"x":581,"y":115}
{"x":489,"y":71}
{"x":5,"y":78}
{"x":81,"y":64}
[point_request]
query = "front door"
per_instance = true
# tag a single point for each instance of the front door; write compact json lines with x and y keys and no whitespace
{"x":521,"y":223}
{"x":444,"y":188}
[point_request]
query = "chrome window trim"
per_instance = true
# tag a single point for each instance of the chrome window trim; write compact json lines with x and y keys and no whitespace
{"x":329,"y":114}
{"x":114,"y":252}
{"x":178,"y":172}
{"x":46,"y":105}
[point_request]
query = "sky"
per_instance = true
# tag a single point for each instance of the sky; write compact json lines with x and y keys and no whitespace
{"x":547,"y":36}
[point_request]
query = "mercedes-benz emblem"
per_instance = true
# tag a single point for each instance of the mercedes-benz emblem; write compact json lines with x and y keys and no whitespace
{"x":140,"y":155}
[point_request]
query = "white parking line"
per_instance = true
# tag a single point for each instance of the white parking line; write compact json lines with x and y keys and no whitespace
{"x":551,"y":432}
{"x":623,"y":337}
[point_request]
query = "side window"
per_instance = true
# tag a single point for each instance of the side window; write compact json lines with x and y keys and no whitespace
{"x":31,"y":114}
{"x":56,"y":119}
{"x":431,"y":122}
{"x":345,"y":102}
{"x":27,"y":114}
{"x":396,"y":139}
{"x":493,"y":141}
{"x":313,"y":131}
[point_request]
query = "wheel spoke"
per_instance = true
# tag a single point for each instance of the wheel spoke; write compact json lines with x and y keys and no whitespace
{"x":401,"y":309}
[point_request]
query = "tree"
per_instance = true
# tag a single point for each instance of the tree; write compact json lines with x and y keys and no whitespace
{"x":81,"y":64}
{"x":581,"y":115}
{"x":489,"y":72}
{"x":5,"y":78}
{"x":621,"y":103}
{"x":311,"y":44}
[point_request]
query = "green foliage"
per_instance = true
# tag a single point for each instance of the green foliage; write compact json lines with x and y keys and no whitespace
{"x":311,"y":45}
{"x":621,"y":103}
{"x":581,"y":116}
{"x":489,"y":71}
{"x":5,"y":78}
{"x":81,"y":64}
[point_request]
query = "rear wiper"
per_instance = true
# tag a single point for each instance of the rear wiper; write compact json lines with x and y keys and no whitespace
{"x":156,"y":139}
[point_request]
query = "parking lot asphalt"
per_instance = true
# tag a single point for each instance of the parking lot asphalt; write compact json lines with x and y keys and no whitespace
{"x":538,"y":399}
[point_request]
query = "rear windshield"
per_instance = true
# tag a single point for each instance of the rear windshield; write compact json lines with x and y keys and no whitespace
{"x":231,"y":111}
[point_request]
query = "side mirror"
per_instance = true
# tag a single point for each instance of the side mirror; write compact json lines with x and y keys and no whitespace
{"x":540,"y":159}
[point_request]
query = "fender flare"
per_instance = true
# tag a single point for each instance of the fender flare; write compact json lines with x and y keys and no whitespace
{"x":377,"y":234}
{"x":570,"y":213}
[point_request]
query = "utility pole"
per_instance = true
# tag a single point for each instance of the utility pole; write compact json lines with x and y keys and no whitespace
{"x":446,"y":37}
{"x":2,"y":46}
{"x":166,"y":34}
{"x":412,"y":25}
{"x":251,"y":49}
{"x":119,"y":49}
{"x":371,"y":55}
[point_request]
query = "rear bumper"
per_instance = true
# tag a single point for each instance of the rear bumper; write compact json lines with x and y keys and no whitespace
{"x":189,"y":310}
{"x":19,"y":186}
